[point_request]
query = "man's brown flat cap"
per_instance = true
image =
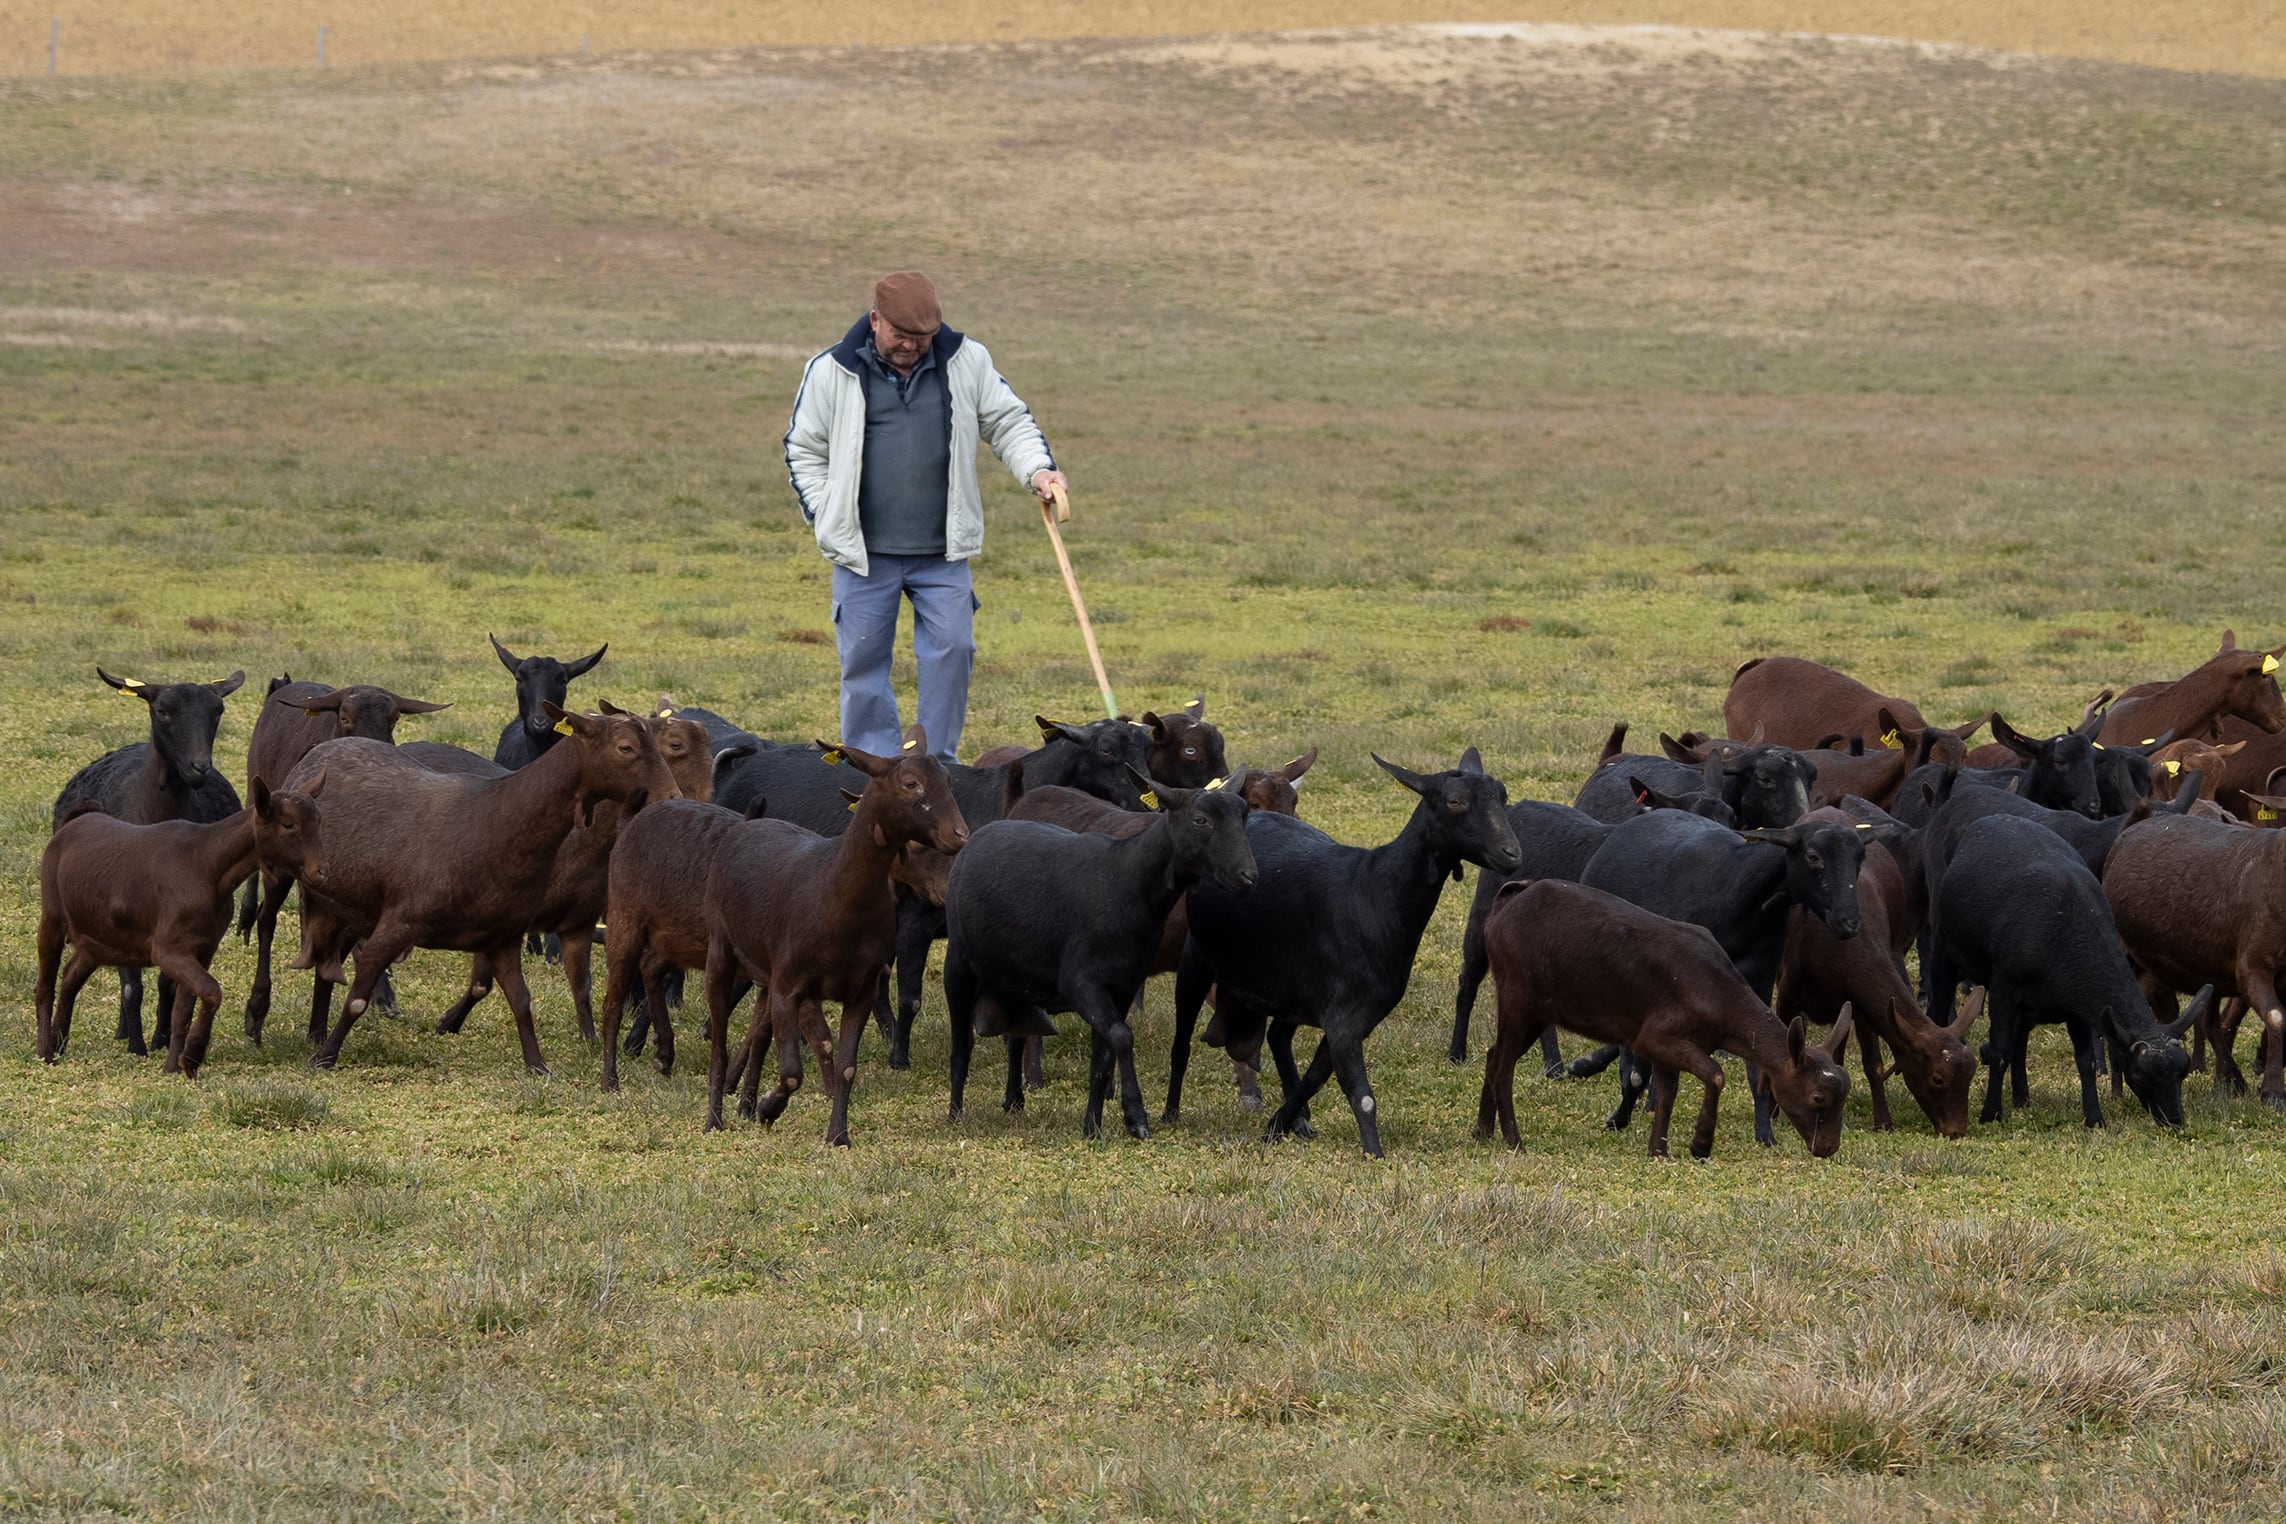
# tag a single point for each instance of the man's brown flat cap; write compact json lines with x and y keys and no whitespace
{"x":908,"y":302}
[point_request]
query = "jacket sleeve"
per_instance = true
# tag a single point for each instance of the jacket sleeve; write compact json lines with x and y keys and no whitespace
{"x":1005,"y":423}
{"x":807,"y":436}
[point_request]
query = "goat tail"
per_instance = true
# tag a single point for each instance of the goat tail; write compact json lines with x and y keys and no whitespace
{"x":1513,"y":886}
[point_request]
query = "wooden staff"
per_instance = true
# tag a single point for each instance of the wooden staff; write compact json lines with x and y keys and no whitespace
{"x":1058,"y":510}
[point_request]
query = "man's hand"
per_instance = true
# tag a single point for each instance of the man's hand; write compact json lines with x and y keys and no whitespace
{"x":1045,"y":482}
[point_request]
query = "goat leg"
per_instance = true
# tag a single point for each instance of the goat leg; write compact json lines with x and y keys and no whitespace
{"x":1664,"y":1079}
{"x":272,"y":896}
{"x":1869,"y":1051}
{"x":508,"y":968}
{"x":1280,"y":1037}
{"x":1474,"y":965}
{"x":1349,"y":1068}
{"x":1551,"y":1055}
{"x":2261,"y":990}
{"x":578,"y":947}
{"x":1288,"y":1119}
{"x":75,"y":975}
{"x":854,"y":1014}
{"x":1035,"y":1062}
{"x":1192,"y":981}
{"x":131,"y":1011}
{"x":1248,"y":1079}
{"x":616,"y":968}
{"x":374,"y":955}
{"x":1763,"y":1106}
{"x":198,"y":989}
{"x":479,"y":986}
{"x":1012,"y":1094}
{"x":2084,"y":1043}
{"x":718,"y":971}
{"x":785,"y":1028}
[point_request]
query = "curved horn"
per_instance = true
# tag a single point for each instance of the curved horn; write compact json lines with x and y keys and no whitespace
{"x":1970,"y":1012}
{"x":507,"y":657}
{"x":586,"y":663}
{"x":2201,"y":1003}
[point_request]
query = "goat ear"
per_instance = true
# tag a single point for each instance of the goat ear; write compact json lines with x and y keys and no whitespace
{"x":608,"y":707}
{"x":2231,"y":749}
{"x":581,"y":724}
{"x":1832,"y":1046}
{"x":1892,"y":729}
{"x":507,"y":657}
{"x":1471,"y":763}
{"x":1677,"y":751}
{"x":1797,"y":1039}
{"x":230,"y":684}
{"x":2229,"y":642}
{"x":1788,"y":837}
{"x":1155,"y":725}
{"x":864,"y":761}
{"x":1292,"y":771}
{"x":1410,"y":779}
{"x":417,"y":706}
{"x":1145,"y":789}
{"x":324,"y":703}
{"x":586,"y":664}
{"x":760,"y":805}
{"x":2006,"y":735}
{"x":1196,"y":708}
{"x":2146,"y":748}
{"x":258,"y":795}
{"x":1051,"y":730}
{"x":916,"y":740}
{"x":311,"y":790}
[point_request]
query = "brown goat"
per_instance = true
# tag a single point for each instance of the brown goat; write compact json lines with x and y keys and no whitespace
{"x":1185,"y":750}
{"x":1800,"y":703}
{"x":2172,"y":761}
{"x":812,"y":918}
{"x":577,"y":890}
{"x":416,"y":858}
{"x":2200,"y":903}
{"x":1570,"y":956}
{"x":158,"y":896}
{"x":294,"y":718}
{"x":1822,"y":974}
{"x":2231,"y":684}
{"x":655,"y":913}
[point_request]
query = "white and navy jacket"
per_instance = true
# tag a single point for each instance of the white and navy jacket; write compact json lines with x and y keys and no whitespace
{"x":825,"y":443}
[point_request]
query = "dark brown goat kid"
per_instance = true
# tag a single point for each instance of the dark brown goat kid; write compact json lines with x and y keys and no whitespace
{"x":416,"y":858}
{"x":811,"y":918}
{"x":1569,"y":956}
{"x":158,"y":896}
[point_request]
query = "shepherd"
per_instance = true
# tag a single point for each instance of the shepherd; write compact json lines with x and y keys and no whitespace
{"x":882,"y":453}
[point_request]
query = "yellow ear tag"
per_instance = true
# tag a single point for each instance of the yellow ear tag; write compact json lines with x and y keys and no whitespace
{"x":2147,"y":740}
{"x":313,"y":713}
{"x":829,"y":758}
{"x":852,"y":806}
{"x":1216,"y":782}
{"x":1150,"y":800}
{"x":2098,"y":745}
{"x":564,"y":726}
{"x":1890,"y":740}
{"x":2265,"y":812}
{"x":2269,"y":665}
{"x":131,"y":686}
{"x":664,"y":714}
{"x":2173,"y":767}
{"x":909,"y":745}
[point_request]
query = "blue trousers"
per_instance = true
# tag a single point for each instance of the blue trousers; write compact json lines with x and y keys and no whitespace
{"x":944,"y":646}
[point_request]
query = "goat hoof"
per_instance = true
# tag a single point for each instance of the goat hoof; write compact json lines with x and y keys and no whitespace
{"x":1139,"y":1131}
{"x":1034,"y":1084}
{"x":1250,"y":1103}
{"x":1702,"y":1150}
{"x":1303,"y":1129}
{"x":1556,"y":1071}
{"x":840,"y":1141}
{"x":1456,"y":1054}
{"x":2275,"y":1102}
{"x":895,"y":1062}
{"x":538,"y":1068}
{"x":1012,"y":1104}
{"x":323,"y":1060}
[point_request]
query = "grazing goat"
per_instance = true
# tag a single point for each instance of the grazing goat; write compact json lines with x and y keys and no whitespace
{"x":1328,"y":935}
{"x":294,"y":718}
{"x":157,"y":896}
{"x":169,"y":777}
{"x":1800,"y":703}
{"x":2198,"y":903}
{"x":540,"y":682}
{"x":1046,"y":920}
{"x":416,"y":858}
{"x":1822,"y":974}
{"x":2018,"y":912}
{"x":1739,"y":886}
{"x":577,"y":889}
{"x":811,"y":918}
{"x":1567,"y":955}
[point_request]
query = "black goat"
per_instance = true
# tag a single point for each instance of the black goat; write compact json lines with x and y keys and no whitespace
{"x":1762,"y":785}
{"x":1328,"y":935}
{"x":171,"y":776}
{"x":1737,"y":887}
{"x":1045,"y":920}
{"x":540,"y":681}
{"x":2020,"y":914}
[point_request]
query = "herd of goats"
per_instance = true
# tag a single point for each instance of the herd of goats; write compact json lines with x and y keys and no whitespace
{"x":1722,"y":896}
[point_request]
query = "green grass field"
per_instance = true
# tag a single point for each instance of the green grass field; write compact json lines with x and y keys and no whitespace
{"x":1962,"y":372}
